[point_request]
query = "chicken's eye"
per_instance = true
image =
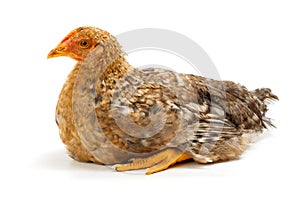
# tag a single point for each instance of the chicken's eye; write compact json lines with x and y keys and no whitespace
{"x":84,"y":44}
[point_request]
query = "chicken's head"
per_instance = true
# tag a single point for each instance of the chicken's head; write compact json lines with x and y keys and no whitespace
{"x":79,"y":43}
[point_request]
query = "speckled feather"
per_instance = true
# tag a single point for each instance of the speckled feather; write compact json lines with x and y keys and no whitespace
{"x":142,"y":111}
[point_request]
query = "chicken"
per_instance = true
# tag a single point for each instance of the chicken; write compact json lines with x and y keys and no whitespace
{"x":111,"y":113}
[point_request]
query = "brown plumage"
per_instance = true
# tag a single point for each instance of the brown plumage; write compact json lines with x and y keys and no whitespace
{"x":150,"y":118}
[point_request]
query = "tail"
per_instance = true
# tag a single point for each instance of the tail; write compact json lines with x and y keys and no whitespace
{"x":266,"y":96}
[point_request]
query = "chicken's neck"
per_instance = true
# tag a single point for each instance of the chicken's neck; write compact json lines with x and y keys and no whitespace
{"x":116,"y":69}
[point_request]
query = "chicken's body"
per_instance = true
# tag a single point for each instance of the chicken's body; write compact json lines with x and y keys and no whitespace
{"x":169,"y":115}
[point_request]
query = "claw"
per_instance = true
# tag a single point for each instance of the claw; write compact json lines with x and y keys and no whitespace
{"x":154,"y":163}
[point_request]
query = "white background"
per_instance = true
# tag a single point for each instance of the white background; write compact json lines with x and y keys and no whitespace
{"x":256,"y":43}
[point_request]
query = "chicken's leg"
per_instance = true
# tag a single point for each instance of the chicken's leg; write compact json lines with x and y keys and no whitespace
{"x":155,"y":163}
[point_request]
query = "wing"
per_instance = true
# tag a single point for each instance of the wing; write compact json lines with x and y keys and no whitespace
{"x":153,"y":108}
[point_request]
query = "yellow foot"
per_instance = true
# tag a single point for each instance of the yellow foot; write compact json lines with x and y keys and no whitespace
{"x":155,"y":163}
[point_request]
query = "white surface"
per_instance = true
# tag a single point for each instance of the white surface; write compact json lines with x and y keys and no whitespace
{"x":255,"y":43}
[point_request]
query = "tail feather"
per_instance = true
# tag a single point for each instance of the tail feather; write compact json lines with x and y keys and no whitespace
{"x":266,"y":96}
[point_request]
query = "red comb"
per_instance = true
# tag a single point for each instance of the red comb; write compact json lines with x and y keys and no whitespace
{"x":69,"y":35}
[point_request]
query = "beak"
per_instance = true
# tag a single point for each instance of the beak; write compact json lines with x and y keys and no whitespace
{"x":58,"y":51}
